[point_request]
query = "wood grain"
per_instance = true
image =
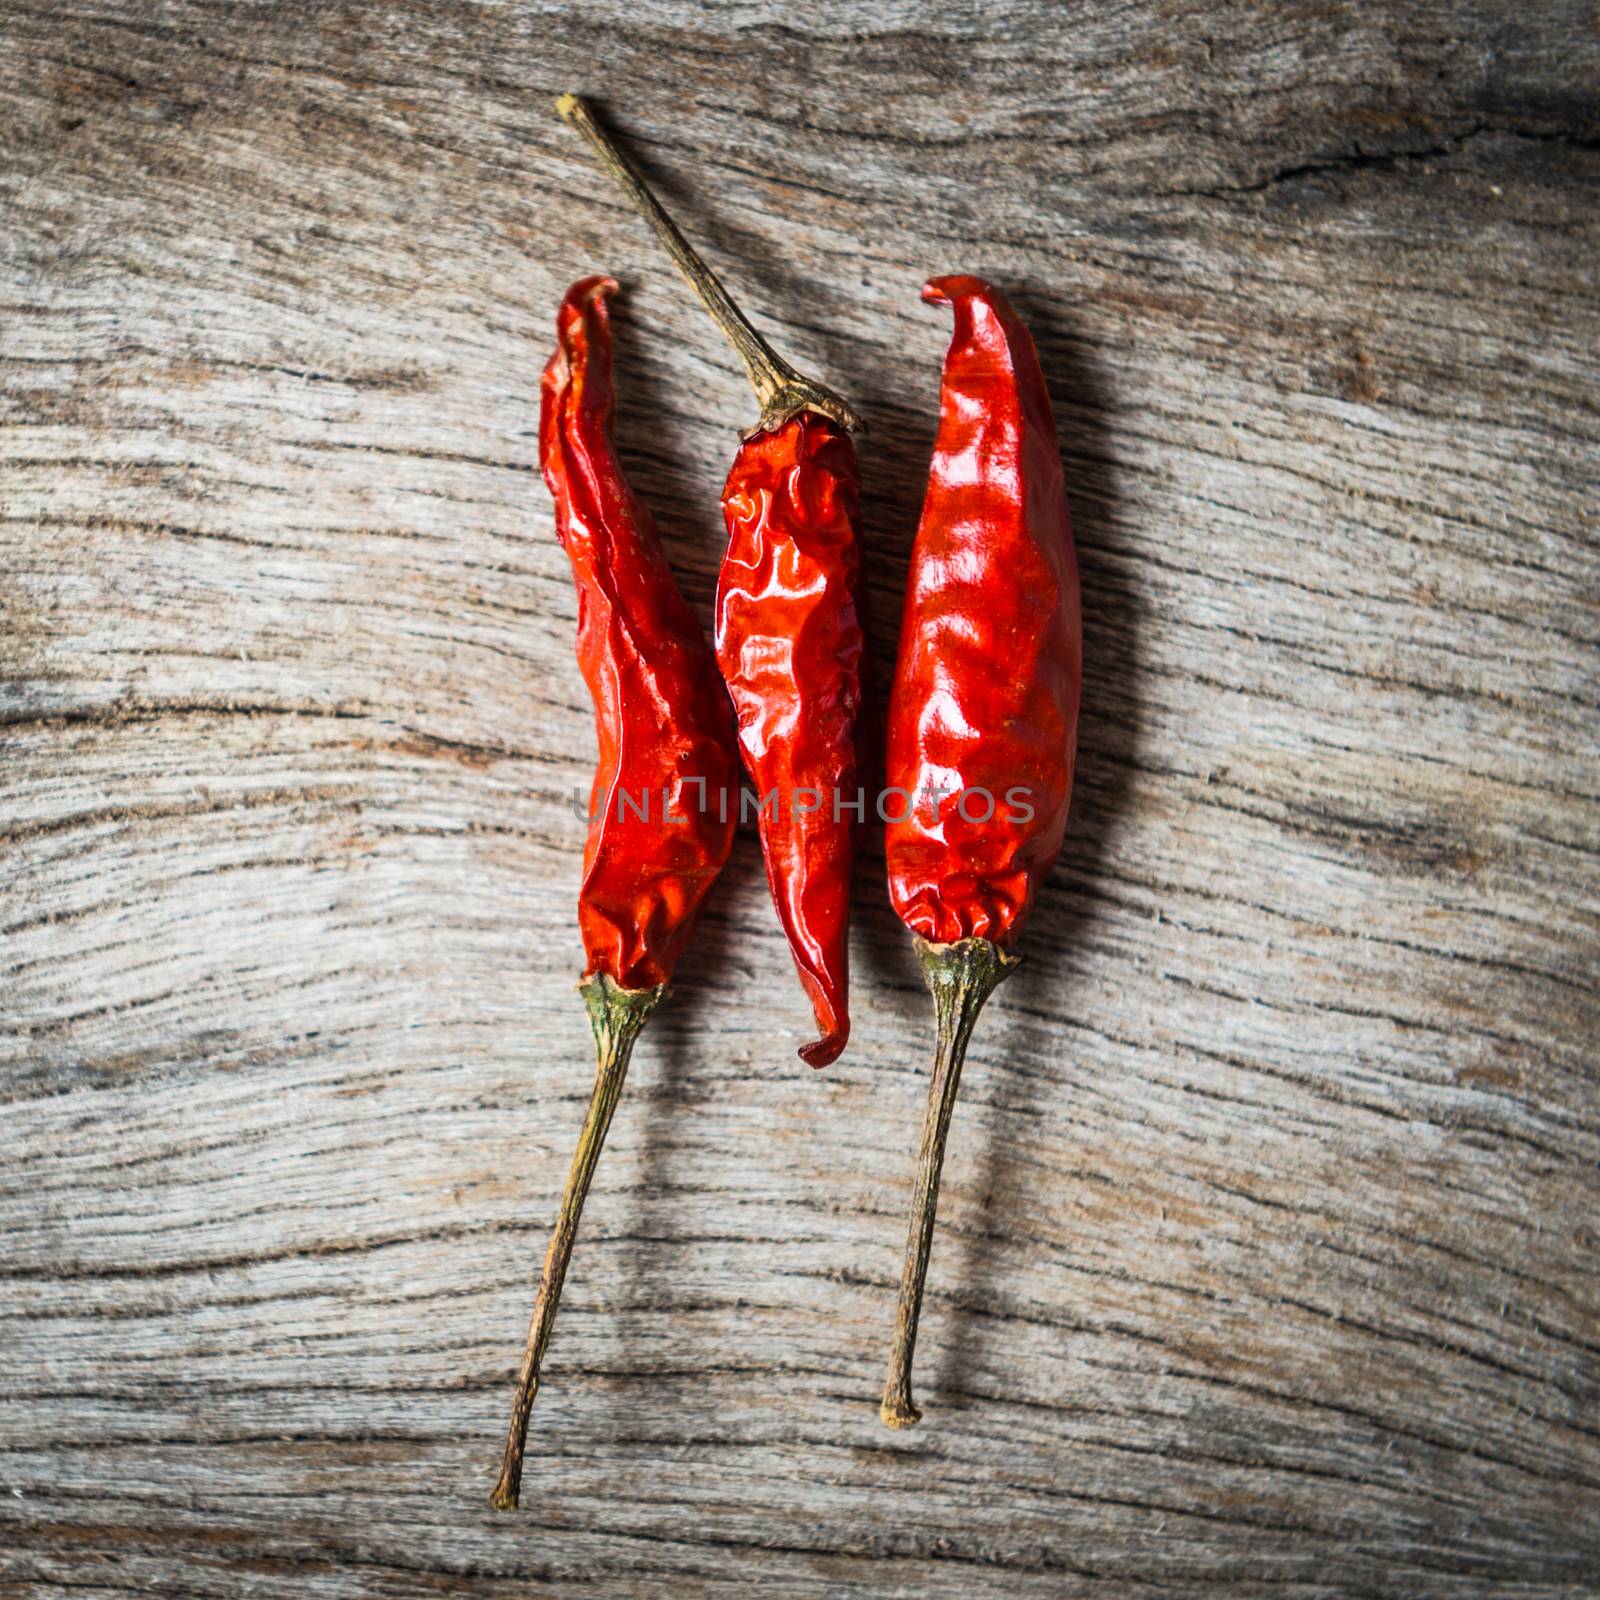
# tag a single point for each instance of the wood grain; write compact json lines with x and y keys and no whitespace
{"x":1267,"y":1252}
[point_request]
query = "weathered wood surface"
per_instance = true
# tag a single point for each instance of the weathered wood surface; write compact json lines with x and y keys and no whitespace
{"x":1267,"y":1251}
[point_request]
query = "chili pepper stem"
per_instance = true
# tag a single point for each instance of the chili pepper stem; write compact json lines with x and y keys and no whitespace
{"x":616,"y":1015}
{"x":962,"y":976}
{"x":782,"y":391}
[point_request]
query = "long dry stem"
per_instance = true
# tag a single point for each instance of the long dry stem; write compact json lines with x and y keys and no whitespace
{"x":782,"y":391}
{"x":616,"y":1016}
{"x":962,"y":976}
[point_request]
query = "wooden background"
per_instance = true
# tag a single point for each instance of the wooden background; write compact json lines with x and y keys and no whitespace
{"x":1267,"y":1260}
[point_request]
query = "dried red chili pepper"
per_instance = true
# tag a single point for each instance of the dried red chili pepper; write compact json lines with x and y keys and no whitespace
{"x":983,"y":720}
{"x":661,"y":824}
{"x":789,"y":645}
{"x":788,"y":633}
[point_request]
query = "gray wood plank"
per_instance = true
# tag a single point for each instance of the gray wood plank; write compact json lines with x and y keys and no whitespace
{"x":1267,"y":1248}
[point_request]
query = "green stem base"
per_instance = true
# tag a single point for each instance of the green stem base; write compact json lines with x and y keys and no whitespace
{"x":616,"y":1015}
{"x":962,"y":976}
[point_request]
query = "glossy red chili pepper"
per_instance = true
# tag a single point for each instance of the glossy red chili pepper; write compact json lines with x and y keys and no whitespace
{"x":788,"y":632}
{"x":662,"y":824}
{"x":662,"y":807}
{"x":789,"y":645}
{"x":983,"y":721}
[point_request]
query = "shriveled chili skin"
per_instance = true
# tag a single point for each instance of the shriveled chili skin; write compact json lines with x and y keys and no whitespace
{"x":789,"y":643}
{"x":987,"y":685}
{"x":661,"y":712}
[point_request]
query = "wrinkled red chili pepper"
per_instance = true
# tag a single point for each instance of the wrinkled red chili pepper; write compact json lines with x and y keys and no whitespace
{"x":661,"y":821}
{"x":983,"y":720}
{"x":788,"y":632}
{"x":789,"y":645}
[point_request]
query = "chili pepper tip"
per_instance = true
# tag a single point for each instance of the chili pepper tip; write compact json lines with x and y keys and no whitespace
{"x":598,"y":286}
{"x":955,"y":286}
{"x":825,"y":1051}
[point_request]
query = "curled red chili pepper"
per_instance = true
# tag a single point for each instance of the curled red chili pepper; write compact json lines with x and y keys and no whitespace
{"x":983,"y":720}
{"x":661,"y":821}
{"x":789,"y":645}
{"x":788,"y":634}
